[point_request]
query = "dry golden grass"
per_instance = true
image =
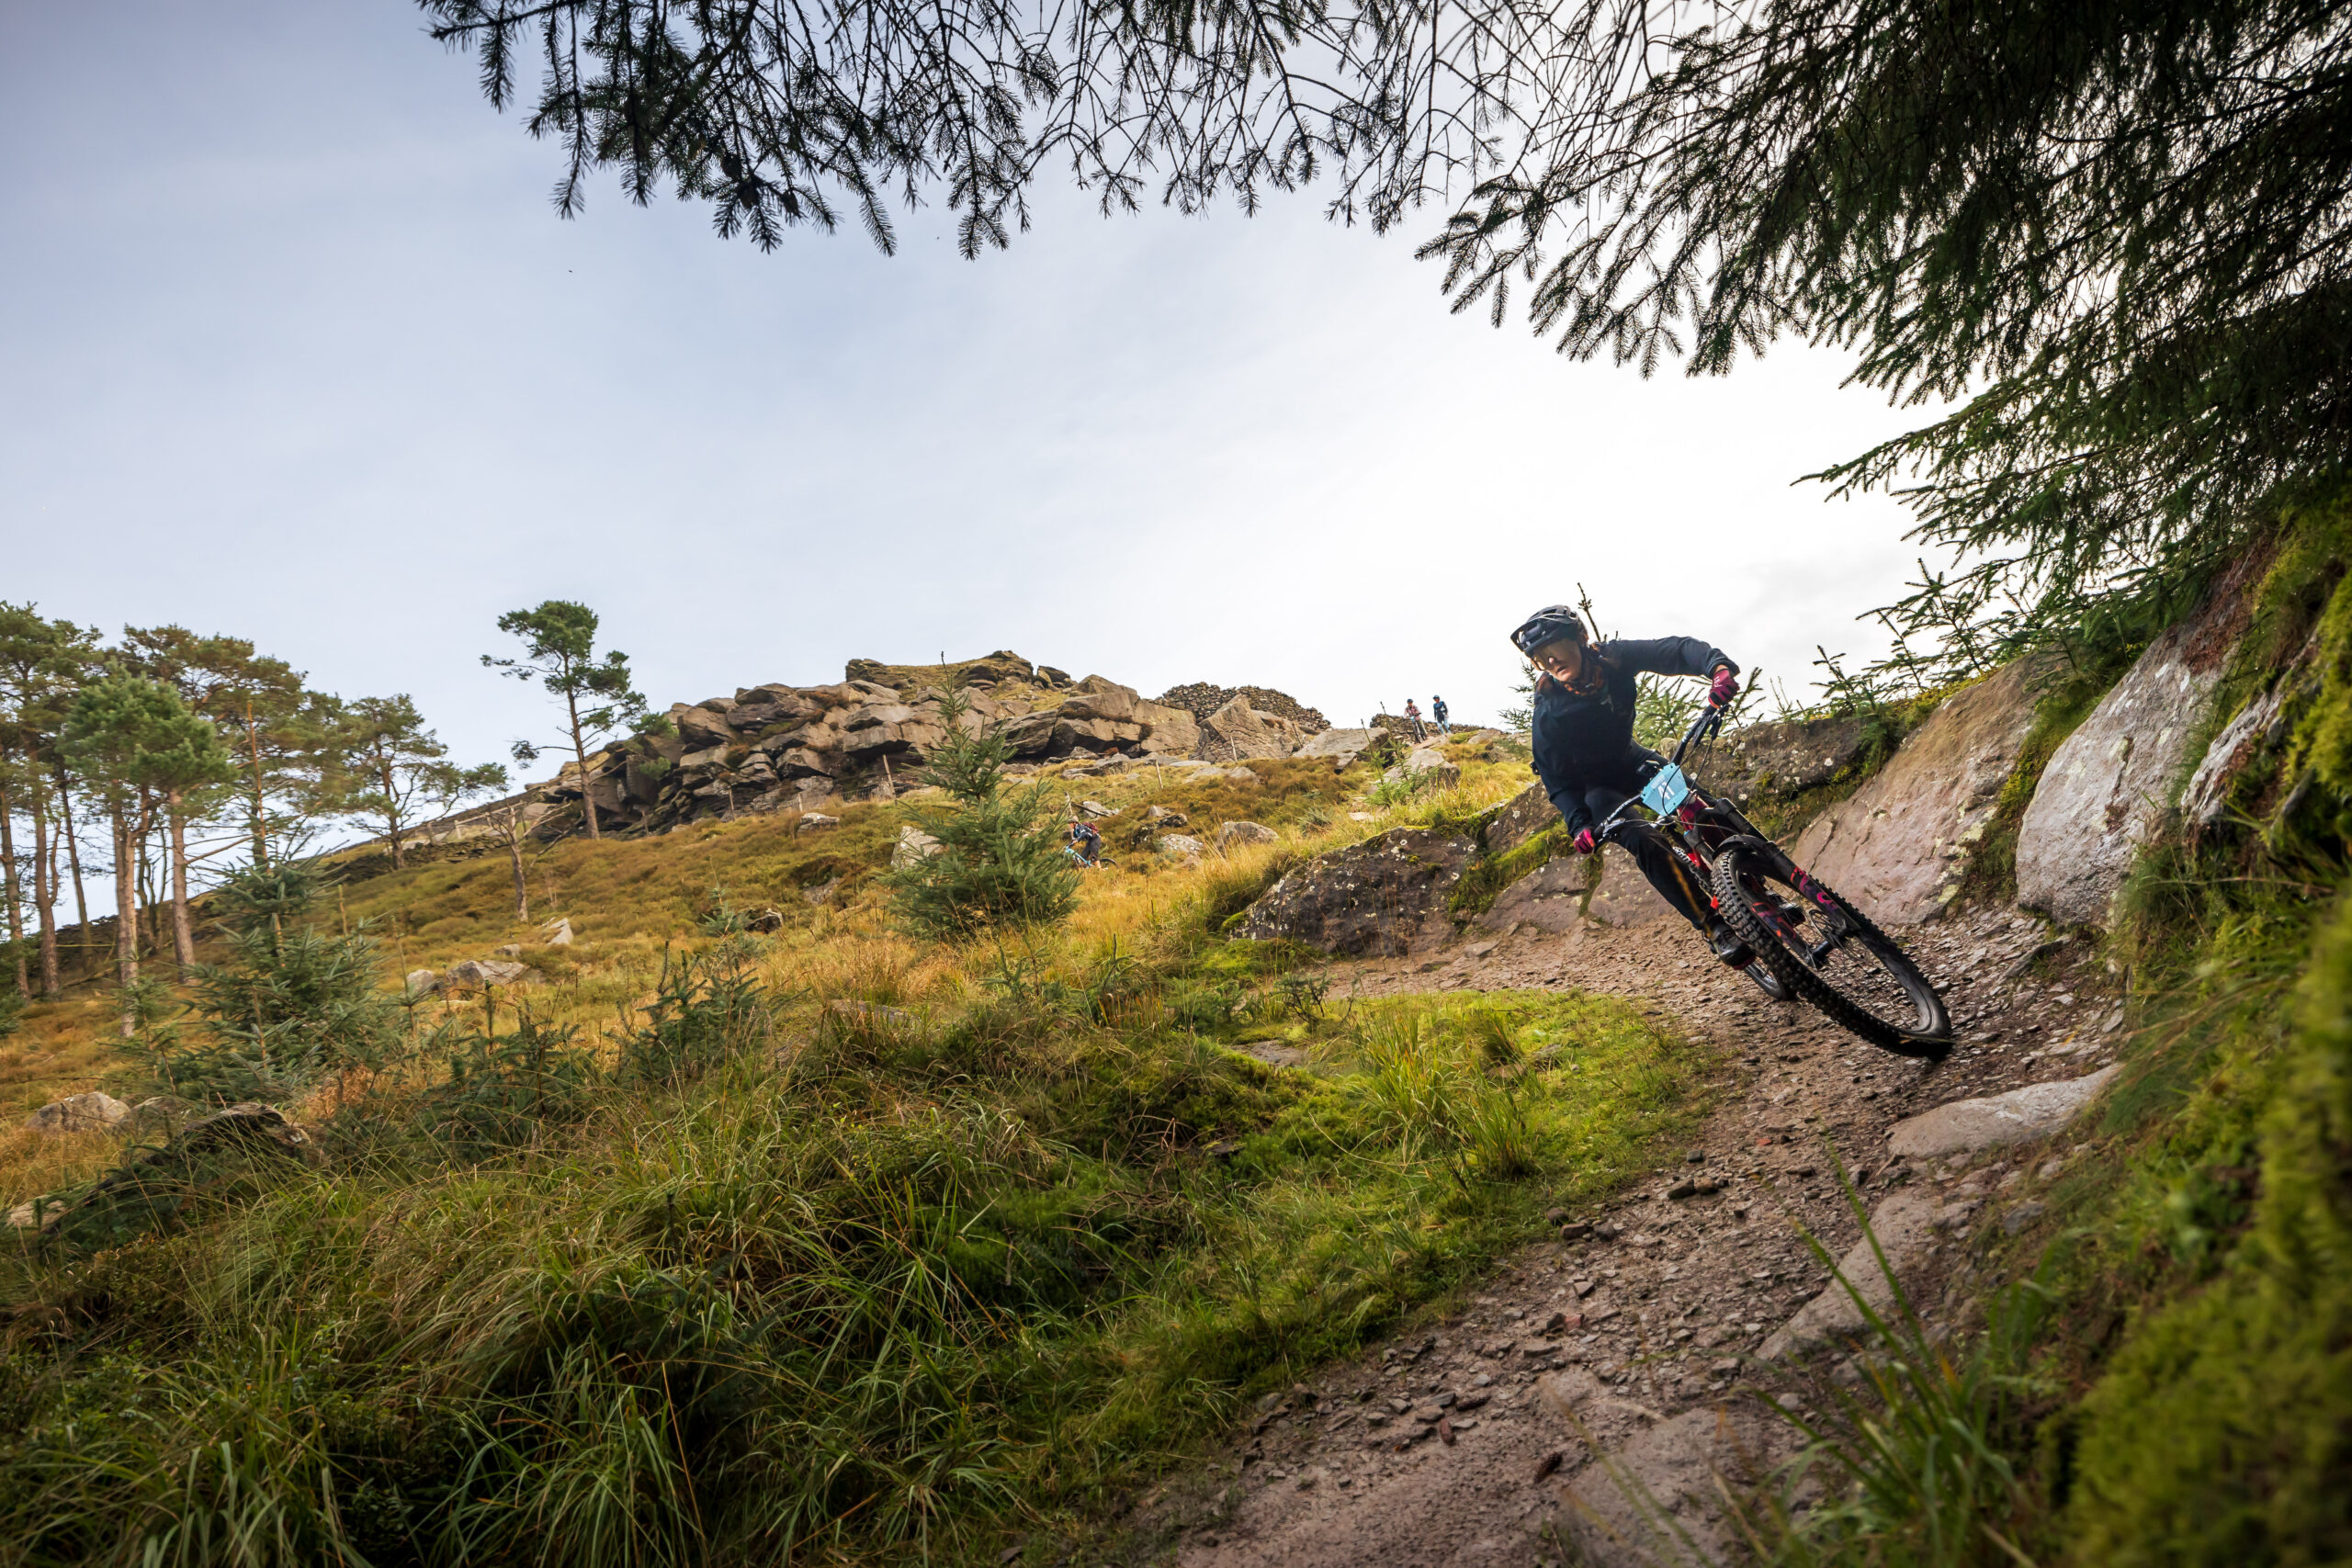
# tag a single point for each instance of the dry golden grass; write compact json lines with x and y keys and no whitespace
{"x":631,"y":901}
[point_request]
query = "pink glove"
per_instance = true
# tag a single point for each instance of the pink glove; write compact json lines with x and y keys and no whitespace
{"x":1725,"y":687}
{"x":1584,"y":841}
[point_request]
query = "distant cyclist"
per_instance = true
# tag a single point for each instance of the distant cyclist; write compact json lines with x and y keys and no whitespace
{"x":1413,"y":720}
{"x":1584,"y":743}
{"x":1086,"y":843}
{"x":1438,"y":714}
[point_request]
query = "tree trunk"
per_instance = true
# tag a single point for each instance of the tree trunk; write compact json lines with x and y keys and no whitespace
{"x":580,"y":750}
{"x":391,"y":810}
{"x":73,"y":859}
{"x":126,"y":911}
{"x":16,"y":890}
{"x":257,"y":810}
{"x":512,"y":822}
{"x":183,"y":934}
{"x":150,"y":930}
{"x":44,"y":891}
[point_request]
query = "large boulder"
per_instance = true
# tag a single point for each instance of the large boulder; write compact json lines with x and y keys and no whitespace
{"x":1237,"y":732}
{"x":1342,"y":746}
{"x":2021,"y":1116}
{"x":1385,"y":896}
{"x":699,"y":727}
{"x":2110,"y":786}
{"x":1899,"y":845}
{"x":78,"y":1114}
{"x":1169,"y":731}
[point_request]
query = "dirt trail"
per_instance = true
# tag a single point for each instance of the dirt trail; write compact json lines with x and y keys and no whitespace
{"x":1640,"y":1325}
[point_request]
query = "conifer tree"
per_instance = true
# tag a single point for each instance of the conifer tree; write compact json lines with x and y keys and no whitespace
{"x":134,"y":741}
{"x":998,"y":863}
{"x":42,"y":665}
{"x":399,"y":770}
{"x":2117,"y":233}
{"x":561,"y":640}
{"x":278,"y":728}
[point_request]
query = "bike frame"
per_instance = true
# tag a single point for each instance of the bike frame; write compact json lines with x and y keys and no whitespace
{"x":1698,"y":828}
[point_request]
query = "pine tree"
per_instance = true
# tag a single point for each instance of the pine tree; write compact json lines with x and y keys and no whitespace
{"x":134,"y":741}
{"x":598,"y":702}
{"x":42,"y":663}
{"x":998,"y":863}
{"x":399,"y":772}
{"x":2118,"y":231}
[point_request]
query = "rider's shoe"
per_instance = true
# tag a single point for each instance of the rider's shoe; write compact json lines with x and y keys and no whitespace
{"x":1727,"y":946}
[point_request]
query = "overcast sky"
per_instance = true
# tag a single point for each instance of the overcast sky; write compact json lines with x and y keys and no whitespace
{"x":298,"y":351}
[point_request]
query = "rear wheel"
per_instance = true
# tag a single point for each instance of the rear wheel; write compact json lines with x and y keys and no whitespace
{"x":1828,"y":953}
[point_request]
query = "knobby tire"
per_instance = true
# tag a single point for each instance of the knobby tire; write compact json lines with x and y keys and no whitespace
{"x":1929,"y":1032}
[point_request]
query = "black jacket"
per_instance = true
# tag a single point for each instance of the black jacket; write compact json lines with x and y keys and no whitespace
{"x":1581,"y":741}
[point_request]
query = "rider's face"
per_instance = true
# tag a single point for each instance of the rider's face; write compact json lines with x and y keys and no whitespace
{"x":1563,"y":660}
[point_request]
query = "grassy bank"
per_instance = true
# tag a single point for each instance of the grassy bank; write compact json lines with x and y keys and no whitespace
{"x":826,"y":1245}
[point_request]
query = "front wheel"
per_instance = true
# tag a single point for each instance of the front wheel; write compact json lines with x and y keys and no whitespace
{"x":1828,"y":953}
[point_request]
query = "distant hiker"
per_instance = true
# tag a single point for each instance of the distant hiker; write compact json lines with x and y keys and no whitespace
{"x":1413,"y":719}
{"x":1583,"y":734}
{"x":1438,"y":712}
{"x":1085,"y":842}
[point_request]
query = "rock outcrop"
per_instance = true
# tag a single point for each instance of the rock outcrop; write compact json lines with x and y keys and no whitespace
{"x":1386,"y":895}
{"x":1785,"y":756}
{"x":781,"y":748}
{"x":2108,"y":787}
{"x":1237,"y":732}
{"x":1899,"y":845}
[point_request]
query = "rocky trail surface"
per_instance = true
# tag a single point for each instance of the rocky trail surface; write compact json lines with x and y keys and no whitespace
{"x":1499,"y":1432}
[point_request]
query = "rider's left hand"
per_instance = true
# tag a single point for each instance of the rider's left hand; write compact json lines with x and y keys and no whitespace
{"x":1725,"y":687}
{"x":1585,"y":842}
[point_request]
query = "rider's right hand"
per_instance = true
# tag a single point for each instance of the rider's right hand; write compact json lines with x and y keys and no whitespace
{"x":1585,"y":841}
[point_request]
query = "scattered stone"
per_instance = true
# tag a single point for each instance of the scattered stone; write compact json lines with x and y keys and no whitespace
{"x":86,"y":1113}
{"x":558,"y":931}
{"x":764,"y":921}
{"x":511,"y":949}
{"x":914,"y":845}
{"x":1232,"y":835}
{"x":423,"y":983}
{"x":1095,"y":808}
{"x":488,"y":972}
{"x":1177,"y":847}
{"x":2019,"y":1216}
{"x":815,"y":822}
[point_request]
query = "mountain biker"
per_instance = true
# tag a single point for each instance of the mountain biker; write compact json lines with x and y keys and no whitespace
{"x":1413,"y":719}
{"x":1583,"y":736}
{"x":1085,"y":841}
{"x":1438,"y":715}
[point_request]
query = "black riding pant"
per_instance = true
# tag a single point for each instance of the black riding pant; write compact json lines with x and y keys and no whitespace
{"x":1675,"y":882}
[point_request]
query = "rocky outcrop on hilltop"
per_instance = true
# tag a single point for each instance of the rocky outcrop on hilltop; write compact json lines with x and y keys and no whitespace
{"x":1199,"y":699}
{"x":783,"y":748}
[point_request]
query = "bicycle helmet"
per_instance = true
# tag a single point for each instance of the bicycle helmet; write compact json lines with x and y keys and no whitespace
{"x":1554,"y":623}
